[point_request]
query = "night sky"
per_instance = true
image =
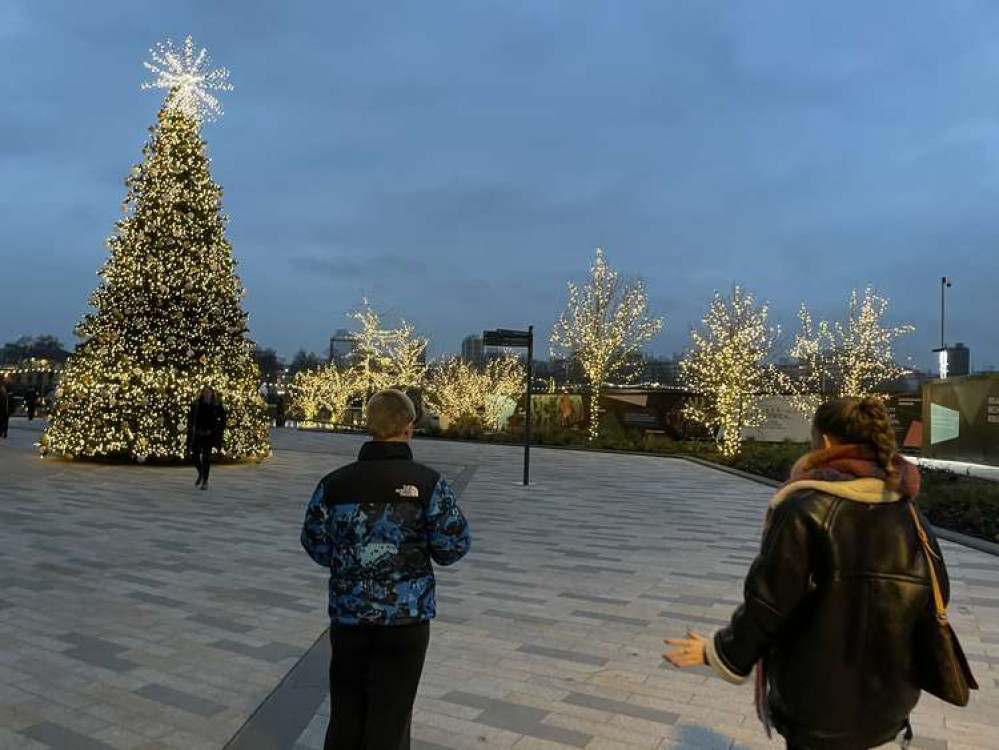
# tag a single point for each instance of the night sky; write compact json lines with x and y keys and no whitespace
{"x":457,"y":161}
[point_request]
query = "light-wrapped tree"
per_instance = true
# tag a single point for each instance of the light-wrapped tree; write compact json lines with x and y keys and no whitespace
{"x":604,"y":324}
{"x":386,"y":357}
{"x":853,"y":357}
{"x":729,"y":367}
{"x":168,"y":317}
{"x":457,"y":391}
{"x":329,"y":389}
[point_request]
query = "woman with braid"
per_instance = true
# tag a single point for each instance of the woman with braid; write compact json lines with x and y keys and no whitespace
{"x":833,"y":600}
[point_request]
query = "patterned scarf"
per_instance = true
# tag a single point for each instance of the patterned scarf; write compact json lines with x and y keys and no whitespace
{"x":840,"y":463}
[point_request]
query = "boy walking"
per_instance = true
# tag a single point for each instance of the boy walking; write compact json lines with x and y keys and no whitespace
{"x":378,"y":525}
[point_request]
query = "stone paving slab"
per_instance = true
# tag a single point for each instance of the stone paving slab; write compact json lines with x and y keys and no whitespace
{"x":554,"y":622}
{"x":141,"y":614}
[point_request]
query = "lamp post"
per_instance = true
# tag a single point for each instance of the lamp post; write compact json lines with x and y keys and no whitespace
{"x":945,"y":283}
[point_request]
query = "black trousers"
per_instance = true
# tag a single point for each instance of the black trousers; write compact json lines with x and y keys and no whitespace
{"x":32,"y":408}
{"x":202,"y":459}
{"x":4,"y":423}
{"x":374,"y":674}
{"x":904,"y":736}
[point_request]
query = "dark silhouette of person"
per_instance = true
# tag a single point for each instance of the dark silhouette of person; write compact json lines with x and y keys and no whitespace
{"x":6,"y":407}
{"x":280,"y":412}
{"x":31,"y":403}
{"x":205,"y":426}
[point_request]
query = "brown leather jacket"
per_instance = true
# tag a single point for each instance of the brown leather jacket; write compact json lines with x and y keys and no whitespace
{"x":832,"y":605}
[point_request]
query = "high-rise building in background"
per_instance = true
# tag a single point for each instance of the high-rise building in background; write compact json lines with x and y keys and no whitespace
{"x":954,"y":361}
{"x":342,"y":345}
{"x":661,"y":371}
{"x":473,"y":351}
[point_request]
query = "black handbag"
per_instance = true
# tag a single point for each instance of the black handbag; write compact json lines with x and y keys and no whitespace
{"x":943,"y":667}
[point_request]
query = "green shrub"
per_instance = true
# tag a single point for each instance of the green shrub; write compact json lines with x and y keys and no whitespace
{"x":770,"y":460}
{"x":952,"y":501}
{"x":961,"y":503}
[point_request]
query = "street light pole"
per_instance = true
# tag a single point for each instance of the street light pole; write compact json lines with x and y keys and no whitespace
{"x":945,"y":282}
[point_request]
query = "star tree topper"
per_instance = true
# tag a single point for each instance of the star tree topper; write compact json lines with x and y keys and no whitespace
{"x":186,"y":74}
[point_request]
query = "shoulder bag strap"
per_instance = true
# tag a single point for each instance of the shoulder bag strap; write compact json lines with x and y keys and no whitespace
{"x":938,"y":599}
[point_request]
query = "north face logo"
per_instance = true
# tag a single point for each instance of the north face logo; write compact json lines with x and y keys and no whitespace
{"x":408,"y":491}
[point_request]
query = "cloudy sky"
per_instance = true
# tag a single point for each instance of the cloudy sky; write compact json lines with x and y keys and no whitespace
{"x":457,"y":161}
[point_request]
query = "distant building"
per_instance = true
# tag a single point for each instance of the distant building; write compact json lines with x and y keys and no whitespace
{"x":662,"y":370}
{"x":565,"y":372}
{"x":342,"y":345}
{"x":473,"y":351}
{"x":955,"y":361}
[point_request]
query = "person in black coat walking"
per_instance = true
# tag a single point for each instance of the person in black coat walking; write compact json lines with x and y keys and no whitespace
{"x":31,"y":403}
{"x":6,"y":407}
{"x":836,"y":602}
{"x":205,"y":426}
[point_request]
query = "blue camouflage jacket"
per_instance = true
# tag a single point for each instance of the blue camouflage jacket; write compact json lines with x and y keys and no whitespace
{"x":379,"y":524}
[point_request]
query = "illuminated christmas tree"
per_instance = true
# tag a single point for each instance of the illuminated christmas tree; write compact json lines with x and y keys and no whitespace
{"x":729,"y":368}
{"x":168,"y":317}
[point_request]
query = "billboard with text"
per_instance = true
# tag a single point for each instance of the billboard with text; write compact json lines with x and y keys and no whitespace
{"x":961,"y":418}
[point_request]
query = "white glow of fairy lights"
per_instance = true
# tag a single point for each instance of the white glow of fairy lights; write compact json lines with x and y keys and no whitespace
{"x":729,"y":367}
{"x":185,"y":73}
{"x":854,"y":357}
{"x":604,"y":324}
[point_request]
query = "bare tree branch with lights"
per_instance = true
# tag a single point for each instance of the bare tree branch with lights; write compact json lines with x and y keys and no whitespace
{"x":604,"y":323}
{"x":729,"y":367}
{"x":168,"y":316}
{"x":854,"y":357}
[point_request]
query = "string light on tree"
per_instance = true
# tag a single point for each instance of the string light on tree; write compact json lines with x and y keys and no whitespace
{"x":850,"y":358}
{"x":167,"y":317}
{"x":603,"y":326}
{"x":459,"y":392}
{"x":326,"y":392}
{"x":387,"y":357}
{"x":729,"y":367}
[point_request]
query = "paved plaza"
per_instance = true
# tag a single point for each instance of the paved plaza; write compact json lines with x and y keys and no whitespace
{"x":138,"y":613}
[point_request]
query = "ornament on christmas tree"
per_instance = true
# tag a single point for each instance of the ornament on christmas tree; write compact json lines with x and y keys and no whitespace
{"x":183,"y":74}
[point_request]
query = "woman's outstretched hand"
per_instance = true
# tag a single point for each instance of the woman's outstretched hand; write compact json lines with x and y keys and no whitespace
{"x":687,"y":652}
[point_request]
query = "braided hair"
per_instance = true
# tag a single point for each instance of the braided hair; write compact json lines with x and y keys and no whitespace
{"x":861,"y":421}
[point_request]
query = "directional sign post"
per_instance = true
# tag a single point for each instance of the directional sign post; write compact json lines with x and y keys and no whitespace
{"x":518,"y":339}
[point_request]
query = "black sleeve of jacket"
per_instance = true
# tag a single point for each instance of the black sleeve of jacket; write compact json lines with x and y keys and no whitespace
{"x":777,"y":582}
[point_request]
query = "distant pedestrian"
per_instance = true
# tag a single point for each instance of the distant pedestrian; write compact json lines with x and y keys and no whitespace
{"x":841,"y":606}
{"x":205,"y":428}
{"x":280,"y":412}
{"x":378,"y":525}
{"x":31,"y":403}
{"x":6,"y":407}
